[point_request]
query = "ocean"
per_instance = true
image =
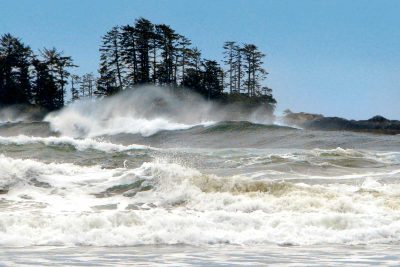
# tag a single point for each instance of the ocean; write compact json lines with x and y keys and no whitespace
{"x":106,"y":184}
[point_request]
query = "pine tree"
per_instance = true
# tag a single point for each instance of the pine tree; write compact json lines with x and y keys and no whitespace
{"x":75,"y":81}
{"x":106,"y":84}
{"x":58,"y":66}
{"x":46,"y":91}
{"x":238,"y":73}
{"x":87,"y":85}
{"x":155,"y":44}
{"x":168,"y":46}
{"x":229,"y":60}
{"x":193,"y":78}
{"x":111,"y":57}
{"x":26,"y":79}
{"x":253,"y":67}
{"x":129,"y":54}
{"x":15,"y":61}
{"x":212,"y":79}
{"x":184,"y":55}
{"x":144,"y":31}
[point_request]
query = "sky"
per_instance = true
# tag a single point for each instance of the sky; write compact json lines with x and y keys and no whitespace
{"x":333,"y":57}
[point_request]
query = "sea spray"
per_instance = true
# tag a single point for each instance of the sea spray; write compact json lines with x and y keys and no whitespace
{"x":148,"y":168}
{"x":144,"y":110}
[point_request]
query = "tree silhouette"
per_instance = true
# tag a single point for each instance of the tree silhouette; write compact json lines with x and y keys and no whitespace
{"x":131,"y":55}
{"x":229,"y":60}
{"x":111,"y":58}
{"x":15,"y":61}
{"x":47,"y":94}
{"x":75,"y":81}
{"x":58,"y":66}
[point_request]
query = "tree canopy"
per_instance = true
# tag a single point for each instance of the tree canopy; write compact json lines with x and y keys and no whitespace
{"x":130,"y":55}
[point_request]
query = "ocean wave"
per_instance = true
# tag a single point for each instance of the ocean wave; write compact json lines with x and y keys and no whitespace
{"x":163,"y":202}
{"x":20,"y":113}
{"x":25,"y":171}
{"x":160,"y":226}
{"x":79,"y":144}
{"x":144,"y":111}
{"x":337,"y":158}
{"x":226,"y":126}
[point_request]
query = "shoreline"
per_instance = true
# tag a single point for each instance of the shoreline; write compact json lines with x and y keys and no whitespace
{"x":309,"y":121}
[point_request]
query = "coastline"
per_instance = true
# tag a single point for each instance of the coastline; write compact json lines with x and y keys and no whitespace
{"x":376,"y":125}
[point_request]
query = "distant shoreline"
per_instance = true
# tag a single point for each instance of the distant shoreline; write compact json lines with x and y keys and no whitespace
{"x":376,"y":124}
{"x":308,"y":121}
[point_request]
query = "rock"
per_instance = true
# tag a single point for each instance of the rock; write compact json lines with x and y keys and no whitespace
{"x":376,"y":124}
{"x":301,"y":117}
{"x":132,"y":207}
{"x":378,"y":119}
{"x":105,"y":207}
{"x":38,"y":183}
{"x":3,"y":191}
{"x":25,"y":196}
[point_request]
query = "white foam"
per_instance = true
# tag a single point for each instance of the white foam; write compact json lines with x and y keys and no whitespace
{"x":79,"y":144}
{"x":186,"y":206}
{"x":135,"y":112}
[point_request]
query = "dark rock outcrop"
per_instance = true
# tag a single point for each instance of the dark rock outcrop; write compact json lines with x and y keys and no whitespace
{"x":376,"y":124}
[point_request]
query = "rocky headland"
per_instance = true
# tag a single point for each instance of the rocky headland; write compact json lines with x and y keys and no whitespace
{"x":376,"y":124}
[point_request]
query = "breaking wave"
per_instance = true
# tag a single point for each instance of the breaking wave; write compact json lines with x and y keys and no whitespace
{"x":167,"y":203}
{"x":150,"y":167}
{"x":79,"y":144}
{"x":144,"y":111}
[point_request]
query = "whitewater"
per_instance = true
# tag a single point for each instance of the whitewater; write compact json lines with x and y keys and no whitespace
{"x":148,"y":178}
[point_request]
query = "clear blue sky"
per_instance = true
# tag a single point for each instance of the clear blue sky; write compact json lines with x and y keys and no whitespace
{"x":333,"y":57}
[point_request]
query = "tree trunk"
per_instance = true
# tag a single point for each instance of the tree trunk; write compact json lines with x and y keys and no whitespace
{"x":116,"y":54}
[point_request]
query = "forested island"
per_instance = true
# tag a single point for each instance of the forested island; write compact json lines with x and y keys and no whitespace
{"x":143,"y":53}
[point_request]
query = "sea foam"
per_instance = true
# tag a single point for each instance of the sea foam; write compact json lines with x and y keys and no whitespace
{"x":175,"y":204}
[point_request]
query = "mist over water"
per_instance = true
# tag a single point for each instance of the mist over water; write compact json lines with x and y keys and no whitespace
{"x":144,"y":110}
{"x":148,"y":168}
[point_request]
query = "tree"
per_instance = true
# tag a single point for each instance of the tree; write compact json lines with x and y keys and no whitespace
{"x":28,"y":79}
{"x":87,"y":85}
{"x":106,"y":84}
{"x":47,"y":94}
{"x":229,"y":60}
{"x":194,"y":80}
{"x":129,"y":54}
{"x":144,"y":31}
{"x":133,"y":54}
{"x":75,"y":81}
{"x":184,"y":54}
{"x":58,"y":66}
{"x":15,"y":61}
{"x":238,"y":73}
{"x":212,"y":79}
{"x":253,"y":68}
{"x":193,"y":77}
{"x":155,"y":44}
{"x":168,"y":46}
{"x":207,"y":81}
{"x":111,"y":57}
{"x":195,"y":59}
